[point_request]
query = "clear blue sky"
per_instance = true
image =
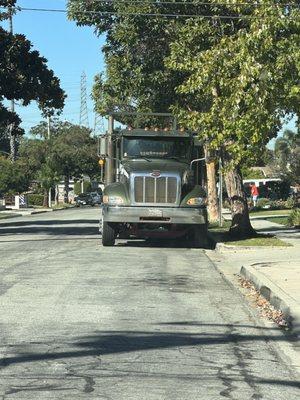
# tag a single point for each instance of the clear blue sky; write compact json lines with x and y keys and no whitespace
{"x":69,"y":49}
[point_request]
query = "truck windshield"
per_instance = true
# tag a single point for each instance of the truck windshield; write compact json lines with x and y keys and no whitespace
{"x":157,"y":147}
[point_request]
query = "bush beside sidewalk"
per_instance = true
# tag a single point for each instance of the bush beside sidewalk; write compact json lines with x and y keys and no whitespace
{"x":274,"y":270}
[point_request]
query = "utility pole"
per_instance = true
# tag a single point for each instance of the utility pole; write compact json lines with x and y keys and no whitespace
{"x":98,"y":125}
{"x":49,"y":136}
{"x":110,"y":152}
{"x":84,"y":116}
{"x":48,"y":127}
{"x":220,"y":192}
{"x":12,"y":138}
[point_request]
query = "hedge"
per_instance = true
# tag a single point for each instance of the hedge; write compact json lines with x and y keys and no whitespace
{"x":87,"y":187}
{"x":35,"y":199}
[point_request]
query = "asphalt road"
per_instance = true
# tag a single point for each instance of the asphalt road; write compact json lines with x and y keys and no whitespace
{"x":133,"y":322}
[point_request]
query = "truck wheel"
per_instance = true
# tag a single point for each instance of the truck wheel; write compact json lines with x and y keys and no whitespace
{"x":200,"y":237}
{"x":108,"y":234}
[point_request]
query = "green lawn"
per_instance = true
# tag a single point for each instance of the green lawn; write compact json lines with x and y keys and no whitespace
{"x":215,"y":226}
{"x":221,"y":235}
{"x":260,"y":241}
{"x":269,"y":212}
{"x":278,"y":220}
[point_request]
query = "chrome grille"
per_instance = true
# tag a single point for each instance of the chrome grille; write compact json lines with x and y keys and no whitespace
{"x":160,"y":190}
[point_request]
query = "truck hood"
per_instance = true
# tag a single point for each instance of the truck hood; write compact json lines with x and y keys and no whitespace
{"x":138,"y":165}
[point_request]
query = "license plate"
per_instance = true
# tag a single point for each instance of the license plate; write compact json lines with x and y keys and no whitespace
{"x":154,"y":212}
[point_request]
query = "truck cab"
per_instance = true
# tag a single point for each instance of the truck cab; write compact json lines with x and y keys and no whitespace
{"x":158,"y":189}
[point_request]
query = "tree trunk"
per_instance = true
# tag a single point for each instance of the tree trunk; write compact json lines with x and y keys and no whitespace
{"x":66,"y":190}
{"x":212,"y":195}
{"x":45,"y":200}
{"x":240,"y":226}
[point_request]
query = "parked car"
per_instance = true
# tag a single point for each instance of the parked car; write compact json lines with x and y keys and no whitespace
{"x":89,"y":199}
{"x":96,"y":197}
{"x":84,"y":199}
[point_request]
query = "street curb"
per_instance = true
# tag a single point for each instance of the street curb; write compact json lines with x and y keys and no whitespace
{"x":39,"y":212}
{"x":49,"y":210}
{"x":277,"y":297}
{"x":222,"y":246}
{"x":52,"y":210}
{"x":62,"y":209}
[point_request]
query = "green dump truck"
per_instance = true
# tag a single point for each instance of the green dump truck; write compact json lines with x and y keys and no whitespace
{"x":158,"y":186}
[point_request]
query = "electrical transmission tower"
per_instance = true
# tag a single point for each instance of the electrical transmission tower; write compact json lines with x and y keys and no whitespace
{"x":98,"y":125}
{"x":84,"y":116}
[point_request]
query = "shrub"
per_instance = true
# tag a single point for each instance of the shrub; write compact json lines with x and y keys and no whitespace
{"x":294,"y":217}
{"x":290,"y":202}
{"x":35,"y":199}
{"x":250,"y":173}
{"x":282,"y":204}
{"x":263,"y":203}
{"x":87,"y":187}
{"x":277,"y":205}
{"x":14,"y":177}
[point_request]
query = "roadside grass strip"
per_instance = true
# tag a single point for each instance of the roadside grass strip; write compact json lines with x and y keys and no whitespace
{"x":222,"y":235}
{"x":260,"y":241}
{"x":214,"y":226}
{"x":269,"y":213}
{"x":278,"y":220}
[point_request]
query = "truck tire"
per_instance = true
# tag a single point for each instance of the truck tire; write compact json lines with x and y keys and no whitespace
{"x":200,"y":237}
{"x":108,"y":234}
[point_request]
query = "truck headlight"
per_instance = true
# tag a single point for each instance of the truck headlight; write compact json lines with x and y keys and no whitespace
{"x":113,"y":200}
{"x":196,"y":201}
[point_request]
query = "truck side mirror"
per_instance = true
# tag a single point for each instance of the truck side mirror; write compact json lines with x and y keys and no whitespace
{"x":102,"y":147}
{"x":196,"y":161}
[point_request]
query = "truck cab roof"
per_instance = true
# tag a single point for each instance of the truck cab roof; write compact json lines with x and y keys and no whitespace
{"x":156,"y":133}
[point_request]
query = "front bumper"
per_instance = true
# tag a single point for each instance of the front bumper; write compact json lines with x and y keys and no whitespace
{"x":155,"y":215}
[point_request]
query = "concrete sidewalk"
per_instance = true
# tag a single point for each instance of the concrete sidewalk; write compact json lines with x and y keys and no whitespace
{"x":275,"y":271}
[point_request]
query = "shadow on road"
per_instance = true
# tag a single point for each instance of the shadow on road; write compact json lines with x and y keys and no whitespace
{"x":83,"y":227}
{"x":180,"y":243}
{"x":51,"y":230}
{"x":49,"y":222}
{"x":203,"y":324}
{"x":117,"y":342}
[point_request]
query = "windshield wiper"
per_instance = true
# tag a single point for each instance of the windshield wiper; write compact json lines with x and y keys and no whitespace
{"x":175,"y":158}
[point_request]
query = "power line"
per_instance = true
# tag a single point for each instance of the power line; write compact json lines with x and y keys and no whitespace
{"x":104,"y":13}
{"x":197,"y":3}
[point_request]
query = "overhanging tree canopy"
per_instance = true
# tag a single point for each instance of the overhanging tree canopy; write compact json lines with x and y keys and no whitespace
{"x":248,"y":80}
{"x":24,"y":76}
{"x":236,"y":75}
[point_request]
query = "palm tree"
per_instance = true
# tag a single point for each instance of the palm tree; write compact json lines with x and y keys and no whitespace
{"x":287,"y":153}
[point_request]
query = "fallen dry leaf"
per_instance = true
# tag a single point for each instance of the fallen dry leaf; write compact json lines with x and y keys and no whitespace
{"x":266,"y":309}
